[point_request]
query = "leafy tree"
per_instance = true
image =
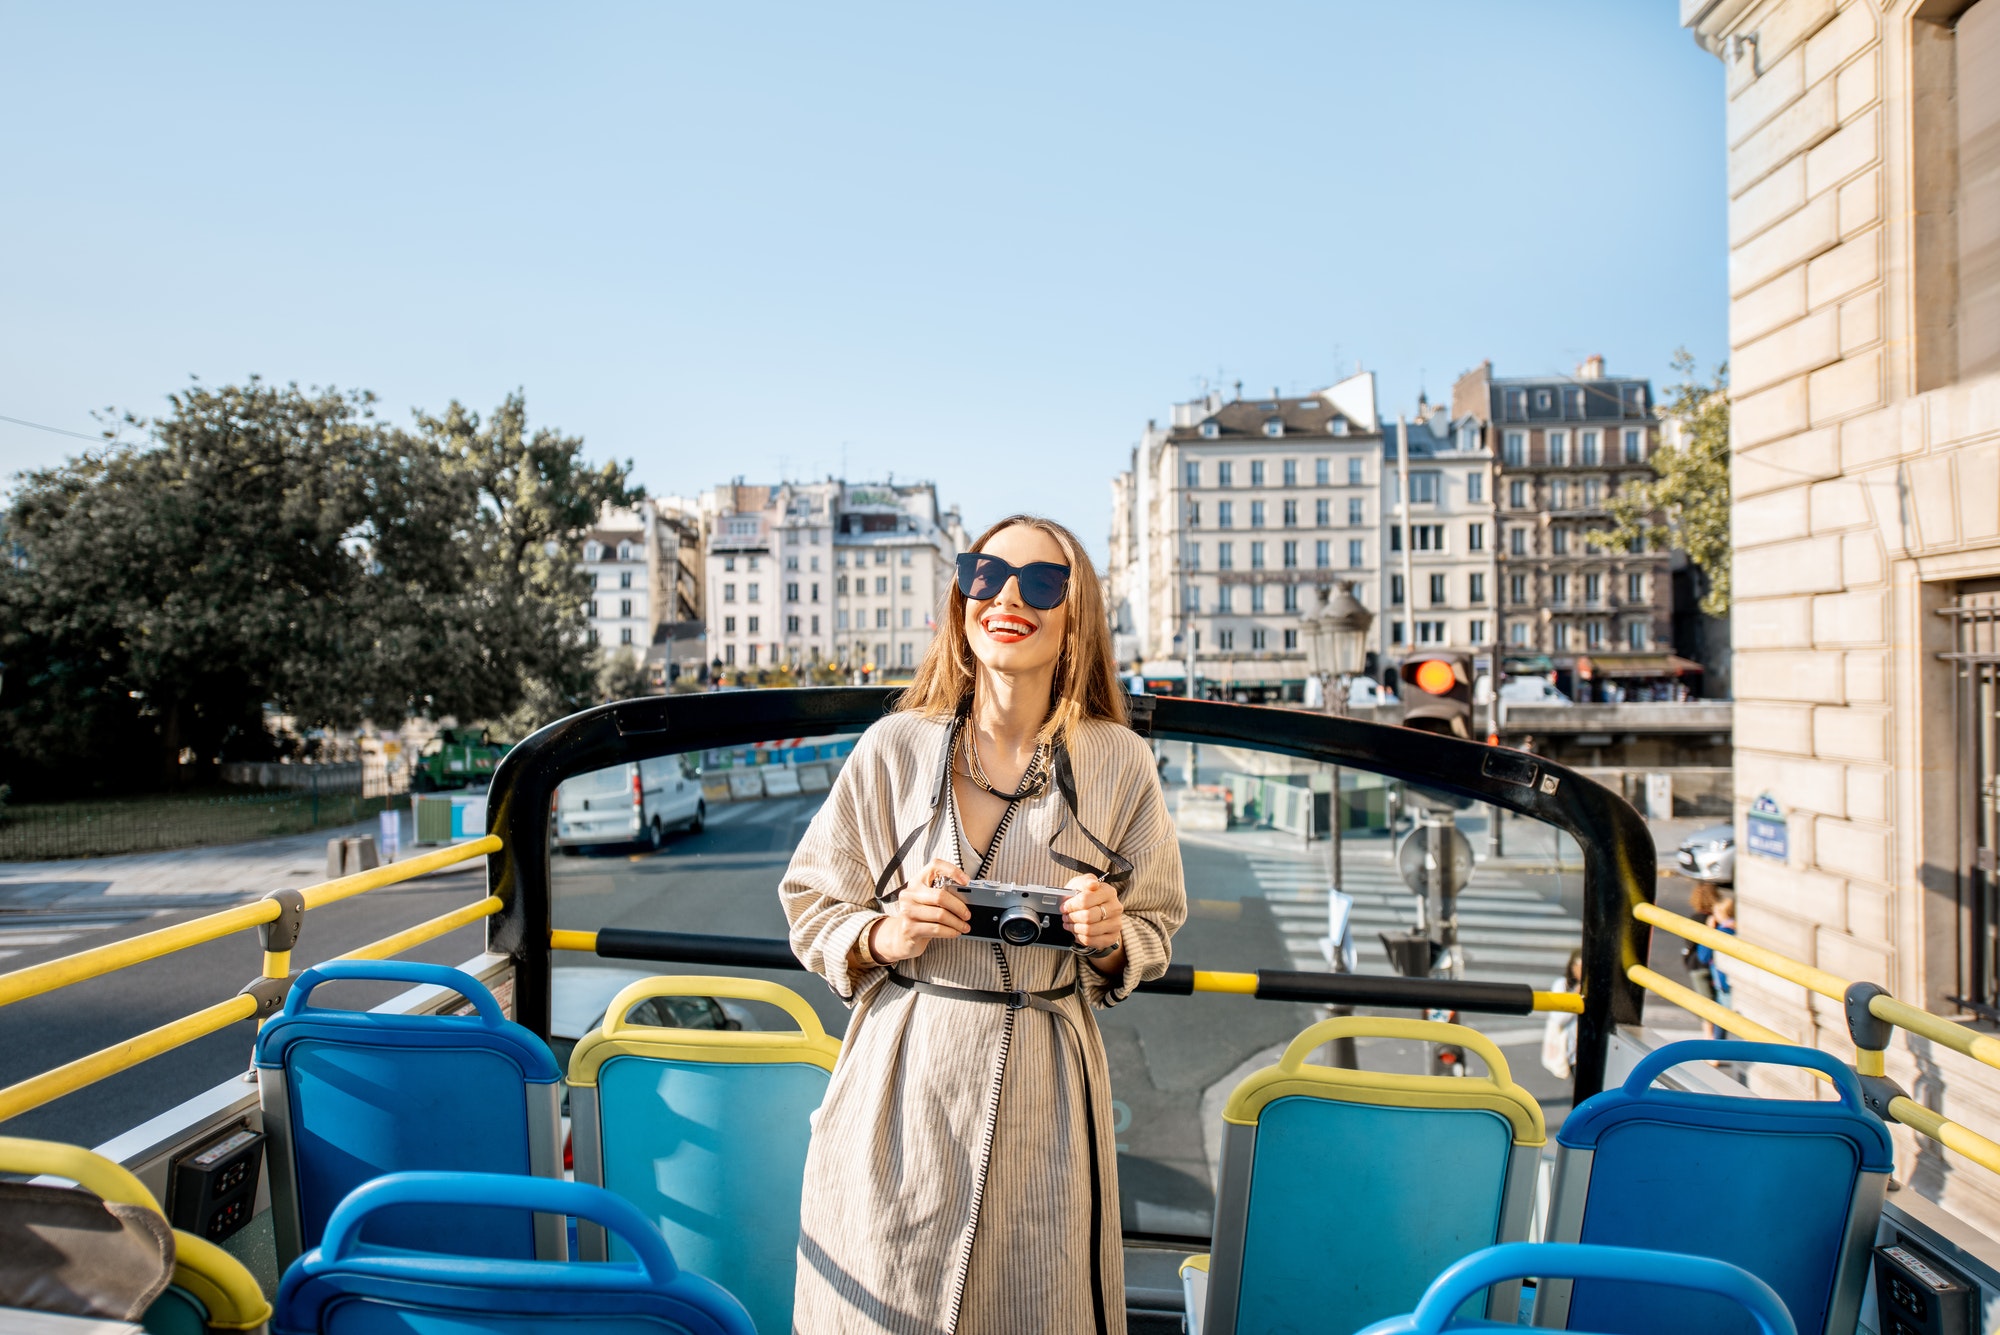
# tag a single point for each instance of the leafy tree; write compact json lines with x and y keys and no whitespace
{"x":1686,"y":507}
{"x":277,"y":547}
{"x":622,"y":676}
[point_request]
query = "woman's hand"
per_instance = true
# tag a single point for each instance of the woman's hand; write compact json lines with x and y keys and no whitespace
{"x":924,"y":912}
{"x":1094,"y":916}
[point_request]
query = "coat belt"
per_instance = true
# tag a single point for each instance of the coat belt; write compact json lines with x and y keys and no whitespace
{"x":1013,"y":1000}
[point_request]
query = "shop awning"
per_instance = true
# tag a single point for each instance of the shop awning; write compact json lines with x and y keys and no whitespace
{"x":1599,"y":667}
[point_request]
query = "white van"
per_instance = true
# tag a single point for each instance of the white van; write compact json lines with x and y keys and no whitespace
{"x":631,"y":804}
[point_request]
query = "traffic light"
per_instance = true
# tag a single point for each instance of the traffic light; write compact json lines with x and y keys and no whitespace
{"x":1437,"y":692}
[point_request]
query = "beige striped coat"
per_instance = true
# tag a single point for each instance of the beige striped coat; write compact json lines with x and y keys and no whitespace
{"x":949,"y":1184}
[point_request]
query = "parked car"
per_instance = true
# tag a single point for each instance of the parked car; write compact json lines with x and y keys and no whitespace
{"x":1366,"y":693}
{"x":1709,"y":855}
{"x":630,"y":804}
{"x":1531,"y":691}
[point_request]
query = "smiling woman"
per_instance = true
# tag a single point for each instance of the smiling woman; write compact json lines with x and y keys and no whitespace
{"x":962,"y":1173}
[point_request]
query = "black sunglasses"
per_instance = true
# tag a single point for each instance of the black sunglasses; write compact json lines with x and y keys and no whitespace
{"x":1043,"y":583}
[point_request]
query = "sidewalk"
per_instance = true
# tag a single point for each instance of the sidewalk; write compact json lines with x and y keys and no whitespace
{"x":222,"y":873}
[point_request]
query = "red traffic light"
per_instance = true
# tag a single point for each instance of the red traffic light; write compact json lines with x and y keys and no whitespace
{"x":1434,"y":676}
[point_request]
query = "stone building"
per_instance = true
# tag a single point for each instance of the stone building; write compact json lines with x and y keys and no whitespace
{"x":1864,"y":282}
{"x":1448,"y":534}
{"x":1226,"y":521}
{"x":1565,"y":445}
{"x":622,"y":565}
{"x":792,"y":578}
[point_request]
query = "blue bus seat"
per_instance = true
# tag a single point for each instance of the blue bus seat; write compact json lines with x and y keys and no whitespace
{"x":107,"y":1251}
{"x":1711,"y":1175}
{"x":351,"y":1095}
{"x":1764,"y":1310}
{"x":1344,"y":1192}
{"x":348,"y":1286}
{"x":704,"y":1132}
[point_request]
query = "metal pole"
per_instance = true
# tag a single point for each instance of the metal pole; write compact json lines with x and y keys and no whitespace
{"x":1342,"y":1050}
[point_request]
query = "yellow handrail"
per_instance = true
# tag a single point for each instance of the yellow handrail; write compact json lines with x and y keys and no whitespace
{"x":1712,"y":1011}
{"x":1946,"y":1132}
{"x":567,"y":940}
{"x":1770,"y":961}
{"x":50,"y":975}
{"x":72,"y":1076}
{"x":425,"y":931}
{"x":1980,"y":1047}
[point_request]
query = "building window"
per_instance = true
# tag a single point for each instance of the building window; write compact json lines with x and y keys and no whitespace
{"x":1291,"y":472}
{"x":1357,"y":512}
{"x":1191,"y":555}
{"x":882,"y":584}
{"x":1210,"y":430}
{"x":1225,"y":556}
{"x":840,"y":619}
{"x":1562,"y":635}
{"x":590,"y":608}
{"x":881,"y":618}
{"x":1475,"y":589}
{"x":1430,"y":632}
{"x":1291,"y":602}
{"x":1635,"y":587}
{"x":1395,"y":632}
{"x":729,"y":625}
{"x":791,"y":591}
{"x":1256,"y":472}
{"x":1593,"y":588}
{"x":1257,"y":640}
{"x":1291,"y":640}
{"x":591,"y":551}
{"x":840,"y":586}
{"x":1395,"y":590}
{"x":1225,"y":474}
{"x":1593,"y":493}
{"x":1354,"y":472}
{"x":1256,"y":556}
{"x":1225,"y":514}
{"x":1559,"y":541}
{"x":1322,"y":512}
{"x":1439,"y":597}
{"x":906,"y":584}
{"x":791,"y":562}
{"x":1517,"y":589}
{"x":1635,"y":635}
{"x":1586,"y":449}
{"x":1515,"y":449}
{"x":1558,"y":448}
{"x":1291,"y":556}
{"x":1322,"y":554}
{"x":1256,"y":514}
{"x":1355,"y":556}
{"x":729,"y":593}
{"x":1593,"y":634}
{"x":815,"y":587}
{"x":1634,"y":451}
{"x":1337,"y":426}
{"x":1191,"y":472}
{"x":1475,"y":487}
{"x":624,"y":579}
{"x":1224,"y":602}
{"x":1225,"y":640}
{"x":907,"y":613}
{"x":1559,"y":494}
{"x":1475,"y":537}
{"x":1517,"y":541}
{"x":1194,"y":514}
{"x":1517,"y":494}
{"x":1291,"y":513}
{"x":1322,"y":472}
{"x":1476,"y":631}
{"x":1518,"y":633}
{"x":791,"y":625}
{"x":624,"y":607}
{"x":750,"y":593}
{"x":1257,"y":600}
{"x":1424,"y":488}
{"x":1274,"y":428}
{"x":1559,"y":589}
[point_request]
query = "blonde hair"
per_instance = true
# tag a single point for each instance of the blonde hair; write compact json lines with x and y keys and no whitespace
{"x":1086,"y":678}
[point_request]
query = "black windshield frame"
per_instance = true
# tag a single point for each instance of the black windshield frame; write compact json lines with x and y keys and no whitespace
{"x":1619,"y":860}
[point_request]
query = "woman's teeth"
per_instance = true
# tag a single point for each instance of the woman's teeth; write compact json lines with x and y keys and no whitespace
{"x":1008,"y":630}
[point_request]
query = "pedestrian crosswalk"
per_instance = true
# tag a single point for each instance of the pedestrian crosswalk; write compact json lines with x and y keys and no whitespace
{"x":45,"y":932}
{"x":1508,"y":929}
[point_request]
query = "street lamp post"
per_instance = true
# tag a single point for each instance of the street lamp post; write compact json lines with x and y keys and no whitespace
{"x":1335,"y":636}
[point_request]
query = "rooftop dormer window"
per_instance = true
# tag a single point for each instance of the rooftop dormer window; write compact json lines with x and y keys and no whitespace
{"x":624,"y":551}
{"x":591,"y":551}
{"x":1210,"y":430}
{"x":1338,"y":426}
{"x":1541,"y":400}
{"x":1274,"y":427}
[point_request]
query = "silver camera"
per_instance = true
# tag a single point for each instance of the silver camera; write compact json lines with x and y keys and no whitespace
{"x":1020,"y":915}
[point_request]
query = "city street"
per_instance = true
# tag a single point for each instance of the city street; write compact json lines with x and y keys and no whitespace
{"x":1257,"y":899}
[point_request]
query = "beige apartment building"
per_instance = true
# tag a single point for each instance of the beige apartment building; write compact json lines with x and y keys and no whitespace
{"x":1229,"y":519}
{"x":1443,"y":594}
{"x":1864,"y":282}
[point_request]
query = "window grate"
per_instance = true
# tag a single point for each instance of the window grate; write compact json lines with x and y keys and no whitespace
{"x":1975,"y":658}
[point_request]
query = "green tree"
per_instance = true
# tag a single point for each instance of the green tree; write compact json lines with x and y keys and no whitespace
{"x":277,"y":547}
{"x":621,"y":676}
{"x":1686,"y":506}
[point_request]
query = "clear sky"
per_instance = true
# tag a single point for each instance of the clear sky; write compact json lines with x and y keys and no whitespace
{"x":981,"y":244}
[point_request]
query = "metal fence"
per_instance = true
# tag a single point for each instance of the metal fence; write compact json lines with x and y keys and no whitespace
{"x":148,"y":825}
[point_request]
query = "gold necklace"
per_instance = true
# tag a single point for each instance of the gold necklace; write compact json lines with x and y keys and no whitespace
{"x":1032,"y":779}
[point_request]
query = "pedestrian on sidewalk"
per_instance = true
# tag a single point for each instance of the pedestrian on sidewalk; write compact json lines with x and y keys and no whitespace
{"x":1723,"y":919}
{"x":1559,"y":1034}
{"x":1700,"y":959}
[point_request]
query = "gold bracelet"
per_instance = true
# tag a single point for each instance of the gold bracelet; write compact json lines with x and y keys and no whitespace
{"x":868,"y":960}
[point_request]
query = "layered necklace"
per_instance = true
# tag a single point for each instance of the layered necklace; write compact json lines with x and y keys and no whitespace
{"x":1033,"y":780}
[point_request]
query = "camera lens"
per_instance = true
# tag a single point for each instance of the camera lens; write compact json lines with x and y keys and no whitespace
{"x":1020,"y":925}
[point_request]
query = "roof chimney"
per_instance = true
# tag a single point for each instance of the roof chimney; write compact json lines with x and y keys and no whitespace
{"x":1592,"y":368}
